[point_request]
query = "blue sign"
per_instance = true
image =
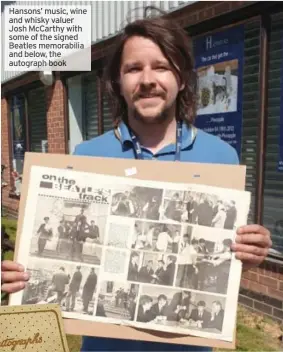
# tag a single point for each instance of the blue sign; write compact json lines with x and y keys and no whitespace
{"x":219,"y":65}
{"x":280,"y":163}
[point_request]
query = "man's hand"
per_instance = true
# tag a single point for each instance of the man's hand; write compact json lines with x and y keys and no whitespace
{"x":13,"y":277}
{"x":252,"y":245}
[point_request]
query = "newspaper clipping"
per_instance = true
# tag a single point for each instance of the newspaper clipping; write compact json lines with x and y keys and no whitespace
{"x":147,"y":254}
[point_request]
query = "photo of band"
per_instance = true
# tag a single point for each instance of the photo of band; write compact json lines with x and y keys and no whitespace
{"x":184,"y":309}
{"x":68,"y":230}
{"x":137,"y":202}
{"x":204,"y":260}
{"x":156,"y":236}
{"x":117,"y":300}
{"x":71,"y":286}
{"x":199,"y":208}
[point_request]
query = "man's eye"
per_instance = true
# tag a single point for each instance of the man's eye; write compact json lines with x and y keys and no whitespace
{"x":133,"y":69}
{"x":161,"y":68}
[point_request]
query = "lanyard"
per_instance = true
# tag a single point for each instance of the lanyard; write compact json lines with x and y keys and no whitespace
{"x":138,"y":150}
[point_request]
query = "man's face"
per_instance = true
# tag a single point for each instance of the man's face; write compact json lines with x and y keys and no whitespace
{"x":148,"y":83}
{"x":162,"y":302}
{"x":200,"y":309}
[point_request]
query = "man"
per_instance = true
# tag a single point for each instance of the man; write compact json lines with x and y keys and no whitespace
{"x":163,"y":240}
{"x":200,"y":315}
{"x":167,"y":276}
{"x":74,"y":287}
{"x":159,"y":308}
{"x":93,"y":231}
{"x":59,"y":281}
{"x":133,"y":267}
{"x":217,"y":316}
{"x":45,"y":234}
{"x":144,"y":311}
{"x":146,"y":272}
{"x":88,"y":290}
{"x":151,"y":80}
{"x":231,"y":216}
{"x":179,"y":306}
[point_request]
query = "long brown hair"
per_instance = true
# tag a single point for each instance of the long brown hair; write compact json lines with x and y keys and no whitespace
{"x":176,"y":47}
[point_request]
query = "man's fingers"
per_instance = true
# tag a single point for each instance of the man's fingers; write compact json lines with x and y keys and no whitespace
{"x":13,"y":287}
{"x":14,"y":276}
{"x":258,"y":239}
{"x":253,"y":229}
{"x":250,"y":259}
{"x":250,"y":249}
{"x":8,"y":265}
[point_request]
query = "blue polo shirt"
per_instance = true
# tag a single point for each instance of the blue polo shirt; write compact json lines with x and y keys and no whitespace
{"x":198,"y":147}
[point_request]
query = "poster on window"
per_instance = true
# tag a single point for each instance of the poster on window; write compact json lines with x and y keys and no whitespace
{"x":219,"y":66}
{"x":280,"y":163}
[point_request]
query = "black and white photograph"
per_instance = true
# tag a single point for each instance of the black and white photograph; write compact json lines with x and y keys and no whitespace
{"x":204,"y":260}
{"x":146,"y":252}
{"x":218,"y":88}
{"x":70,"y":285}
{"x":117,"y":300}
{"x":173,"y":208}
{"x":156,"y":236}
{"x":137,"y":202}
{"x":152,"y":268}
{"x":184,"y":309}
{"x":205,"y":209}
{"x":68,"y":230}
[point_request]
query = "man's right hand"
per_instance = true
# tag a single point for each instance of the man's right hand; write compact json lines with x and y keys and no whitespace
{"x":13,"y":276}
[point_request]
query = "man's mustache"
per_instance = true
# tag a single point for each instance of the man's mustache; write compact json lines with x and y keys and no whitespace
{"x":141,"y":95}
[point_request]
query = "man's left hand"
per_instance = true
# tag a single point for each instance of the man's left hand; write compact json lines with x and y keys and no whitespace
{"x":251,"y":245}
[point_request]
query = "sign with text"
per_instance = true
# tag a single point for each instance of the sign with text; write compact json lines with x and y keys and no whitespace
{"x":36,"y":328}
{"x":280,"y":163}
{"x":219,"y":65}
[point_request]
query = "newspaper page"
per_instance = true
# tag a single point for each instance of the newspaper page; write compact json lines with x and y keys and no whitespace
{"x":146,"y":254}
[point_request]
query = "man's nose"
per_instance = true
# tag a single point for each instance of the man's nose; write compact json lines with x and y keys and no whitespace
{"x":147,"y":78}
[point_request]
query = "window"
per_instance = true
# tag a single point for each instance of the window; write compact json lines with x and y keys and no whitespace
{"x":273,"y":180}
{"x":18,"y":139}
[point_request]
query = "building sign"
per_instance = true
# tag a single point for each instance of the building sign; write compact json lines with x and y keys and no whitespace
{"x":219,"y":65}
{"x":280,"y":163}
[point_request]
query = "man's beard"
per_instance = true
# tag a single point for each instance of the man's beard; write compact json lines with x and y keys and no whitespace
{"x":152,"y":120}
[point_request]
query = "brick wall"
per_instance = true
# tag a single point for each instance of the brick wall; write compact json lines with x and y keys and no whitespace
{"x":262,"y":289}
{"x":9,"y":202}
{"x":56,"y":122}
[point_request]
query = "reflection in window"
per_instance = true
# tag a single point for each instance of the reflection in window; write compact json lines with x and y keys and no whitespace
{"x":18,"y":140}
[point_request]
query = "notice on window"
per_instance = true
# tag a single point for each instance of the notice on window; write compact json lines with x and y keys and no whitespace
{"x":47,"y":38}
{"x":219,"y":66}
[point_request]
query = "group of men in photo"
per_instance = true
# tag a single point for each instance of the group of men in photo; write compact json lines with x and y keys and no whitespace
{"x":65,"y":289}
{"x":202,"y":268}
{"x":182,"y":310}
{"x":156,"y":237}
{"x":162,"y":275}
{"x":71,"y":235}
{"x":202,"y":209}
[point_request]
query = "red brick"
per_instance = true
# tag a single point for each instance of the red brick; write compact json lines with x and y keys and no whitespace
{"x":222,"y":7}
{"x":254,"y":286}
{"x":245,"y":283}
{"x":268,"y":281}
{"x":275,"y":293}
{"x":252,"y":276}
{"x":55,"y":118}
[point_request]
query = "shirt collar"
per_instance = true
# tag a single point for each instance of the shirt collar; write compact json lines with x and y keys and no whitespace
{"x":188,"y":134}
